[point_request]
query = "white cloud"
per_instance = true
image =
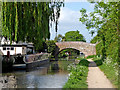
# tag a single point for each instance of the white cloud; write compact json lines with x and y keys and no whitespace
{"x":69,"y":21}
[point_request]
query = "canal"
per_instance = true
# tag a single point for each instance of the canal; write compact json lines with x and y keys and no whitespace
{"x":51,"y":75}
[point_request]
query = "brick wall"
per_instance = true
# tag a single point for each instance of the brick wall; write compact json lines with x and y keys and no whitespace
{"x":86,"y":48}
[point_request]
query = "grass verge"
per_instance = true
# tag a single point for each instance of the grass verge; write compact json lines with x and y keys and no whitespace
{"x":78,"y":75}
{"x":110,"y":69}
{"x":90,"y":56}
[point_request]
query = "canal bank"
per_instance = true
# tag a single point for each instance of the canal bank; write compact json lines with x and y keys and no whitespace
{"x":78,"y":74}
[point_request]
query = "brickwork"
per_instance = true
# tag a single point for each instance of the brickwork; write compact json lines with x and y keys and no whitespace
{"x":86,"y":48}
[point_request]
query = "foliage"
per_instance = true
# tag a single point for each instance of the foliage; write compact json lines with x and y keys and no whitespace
{"x":74,"y":36}
{"x":0,"y":19}
{"x":111,"y":46}
{"x":79,"y":58}
{"x":70,"y":36}
{"x":63,"y":39}
{"x":99,"y":49}
{"x":72,"y":52}
{"x":110,"y":69}
{"x":91,"y":56}
{"x":96,"y":39}
{"x":78,"y":75}
{"x":29,"y":21}
{"x":104,"y":20}
{"x":51,"y":46}
{"x":58,"y":38}
{"x":62,"y":54}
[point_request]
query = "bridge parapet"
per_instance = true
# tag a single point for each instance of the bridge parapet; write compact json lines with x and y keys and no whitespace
{"x":86,"y":48}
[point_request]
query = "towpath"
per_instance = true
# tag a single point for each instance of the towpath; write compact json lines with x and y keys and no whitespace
{"x":96,"y":78}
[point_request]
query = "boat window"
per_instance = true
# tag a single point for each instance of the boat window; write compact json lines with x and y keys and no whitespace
{"x":8,"y":48}
{"x":4,"y":48}
{"x":12,"y":48}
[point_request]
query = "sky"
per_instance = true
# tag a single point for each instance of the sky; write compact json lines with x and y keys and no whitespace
{"x":69,"y":19}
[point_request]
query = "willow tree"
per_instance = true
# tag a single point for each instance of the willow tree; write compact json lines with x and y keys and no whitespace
{"x":29,"y":21}
{"x":0,"y":19}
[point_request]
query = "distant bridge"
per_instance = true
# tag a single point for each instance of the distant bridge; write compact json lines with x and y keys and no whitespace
{"x":86,"y":48}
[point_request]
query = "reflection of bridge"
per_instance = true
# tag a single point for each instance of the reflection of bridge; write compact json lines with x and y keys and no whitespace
{"x":86,"y":48}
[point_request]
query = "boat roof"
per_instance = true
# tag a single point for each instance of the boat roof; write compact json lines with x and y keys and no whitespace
{"x":17,"y":45}
{"x":14,"y":45}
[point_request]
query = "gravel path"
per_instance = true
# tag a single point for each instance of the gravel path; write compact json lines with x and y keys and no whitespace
{"x":96,"y":78}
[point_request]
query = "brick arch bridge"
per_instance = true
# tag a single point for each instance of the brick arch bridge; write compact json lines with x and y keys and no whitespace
{"x":86,"y":48}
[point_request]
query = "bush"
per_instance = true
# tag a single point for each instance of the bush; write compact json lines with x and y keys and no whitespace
{"x":91,"y":56}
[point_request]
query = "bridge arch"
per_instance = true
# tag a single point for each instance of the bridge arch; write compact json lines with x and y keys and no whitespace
{"x":86,"y":48}
{"x":68,"y":48}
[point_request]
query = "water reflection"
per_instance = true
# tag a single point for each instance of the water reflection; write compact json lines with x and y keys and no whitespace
{"x":52,"y":75}
{"x":69,"y":58}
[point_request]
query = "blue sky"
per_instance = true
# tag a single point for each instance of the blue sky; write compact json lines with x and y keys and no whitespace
{"x":69,"y":19}
{"x":76,"y":6}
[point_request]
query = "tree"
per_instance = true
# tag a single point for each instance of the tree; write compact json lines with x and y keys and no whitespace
{"x":29,"y":21}
{"x":51,"y":46}
{"x":74,"y":36}
{"x":58,"y":38}
{"x":70,"y":51}
{"x":96,"y":39}
{"x":0,"y":19}
{"x":105,"y":21}
{"x":63,"y":39}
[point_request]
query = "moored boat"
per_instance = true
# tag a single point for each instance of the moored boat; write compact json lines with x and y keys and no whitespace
{"x":21,"y":56}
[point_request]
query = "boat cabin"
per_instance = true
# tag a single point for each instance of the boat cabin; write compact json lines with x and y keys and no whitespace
{"x":16,"y":49}
{"x":19,"y":48}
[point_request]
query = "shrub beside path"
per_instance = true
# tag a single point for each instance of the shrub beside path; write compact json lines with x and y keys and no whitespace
{"x":96,"y":78}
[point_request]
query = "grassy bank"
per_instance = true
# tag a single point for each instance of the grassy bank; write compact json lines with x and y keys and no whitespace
{"x":91,"y":56}
{"x":110,"y":69}
{"x":78,"y":75}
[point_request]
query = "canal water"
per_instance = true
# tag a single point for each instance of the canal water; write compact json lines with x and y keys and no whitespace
{"x":51,"y":75}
